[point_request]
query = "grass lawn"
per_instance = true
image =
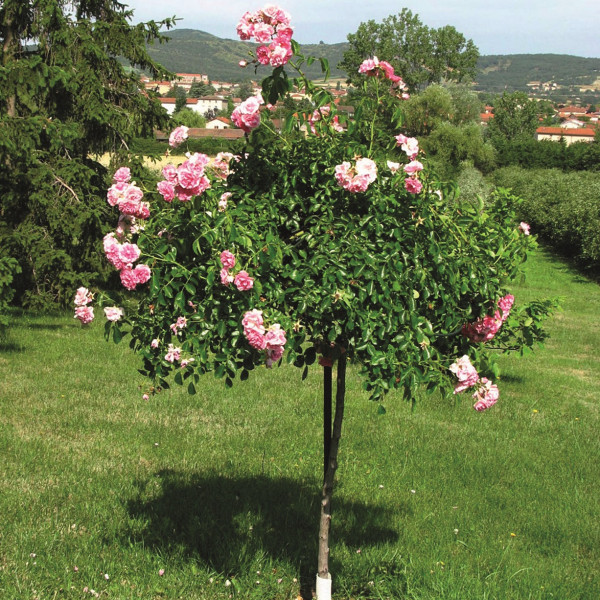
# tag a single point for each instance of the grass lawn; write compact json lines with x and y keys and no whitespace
{"x":101,"y":490}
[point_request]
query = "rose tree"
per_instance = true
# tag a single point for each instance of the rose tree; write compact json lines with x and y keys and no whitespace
{"x":326,"y":246}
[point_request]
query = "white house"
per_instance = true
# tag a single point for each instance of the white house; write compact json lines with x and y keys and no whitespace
{"x":218,"y":123}
{"x":570,"y":136}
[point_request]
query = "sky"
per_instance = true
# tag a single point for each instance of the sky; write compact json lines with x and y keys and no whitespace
{"x":495,"y":26}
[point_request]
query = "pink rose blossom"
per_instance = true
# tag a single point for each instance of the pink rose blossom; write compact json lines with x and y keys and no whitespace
{"x":243,"y":282}
{"x":524,"y":227}
{"x":275,"y":336}
{"x":173,"y":354}
{"x":369,"y":66}
{"x":170,"y":173}
{"x":482,"y":330}
{"x":253,"y":319}
{"x":486,"y":395}
{"x":128,"y":278}
{"x":189,"y":177}
{"x":85,"y":314}
{"x":413,"y":185}
{"x":279,"y":53}
{"x":263,"y":32}
{"x":178,"y":135}
{"x":394,"y":167}
{"x":221,"y":164}
{"x":465,"y":373}
{"x":410,"y":146}
{"x":122,"y":175}
{"x":366,"y":167}
{"x":83,"y":297}
{"x":226,"y":277}
{"x":113,"y":313}
{"x":179,"y":324}
{"x":356,"y":178}
{"x":255,"y":339}
{"x":373,"y":67}
{"x":273,"y":355}
{"x":413,"y":167}
{"x":227,"y":259}
{"x":247,"y":115}
{"x":166,"y":189}
{"x":129,"y":253}
{"x":116,"y":192}
{"x":505,"y":304}
{"x":223,"y":201}
{"x":142,"y":273}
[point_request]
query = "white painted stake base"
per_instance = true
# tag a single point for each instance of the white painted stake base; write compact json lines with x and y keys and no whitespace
{"x":324,"y":587}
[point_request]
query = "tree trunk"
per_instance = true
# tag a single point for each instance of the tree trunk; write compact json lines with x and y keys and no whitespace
{"x":327,"y":418}
{"x":340,"y":392}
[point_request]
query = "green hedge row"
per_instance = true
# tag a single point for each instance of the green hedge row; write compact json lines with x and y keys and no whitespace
{"x":562,"y":207}
{"x":210,"y":146}
{"x":544,"y":154}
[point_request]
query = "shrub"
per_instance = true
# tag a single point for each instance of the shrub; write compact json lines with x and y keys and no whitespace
{"x":564,"y":208}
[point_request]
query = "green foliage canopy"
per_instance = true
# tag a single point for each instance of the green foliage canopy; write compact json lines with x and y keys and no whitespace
{"x":385,"y":276}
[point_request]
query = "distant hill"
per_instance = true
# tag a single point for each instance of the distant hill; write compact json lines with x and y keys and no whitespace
{"x":193,"y":51}
{"x":514,"y":71}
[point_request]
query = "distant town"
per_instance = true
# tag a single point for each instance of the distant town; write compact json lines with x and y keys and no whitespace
{"x":214,"y":100}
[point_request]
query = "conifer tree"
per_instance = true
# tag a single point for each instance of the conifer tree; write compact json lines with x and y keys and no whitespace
{"x":66,"y":97}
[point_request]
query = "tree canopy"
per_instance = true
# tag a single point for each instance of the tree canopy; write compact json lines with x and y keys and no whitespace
{"x":64,"y":98}
{"x":515,"y":116}
{"x":419,"y":54}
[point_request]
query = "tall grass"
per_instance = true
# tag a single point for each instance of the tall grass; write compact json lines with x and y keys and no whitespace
{"x":101,"y":490}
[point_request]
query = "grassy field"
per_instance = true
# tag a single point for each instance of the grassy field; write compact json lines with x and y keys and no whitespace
{"x":217,"y":495}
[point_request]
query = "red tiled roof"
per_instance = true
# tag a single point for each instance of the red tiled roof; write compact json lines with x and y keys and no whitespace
{"x":200,"y":132}
{"x":173,"y":100}
{"x":583,"y":132}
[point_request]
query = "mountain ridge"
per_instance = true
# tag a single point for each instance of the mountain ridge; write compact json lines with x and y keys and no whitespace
{"x":197,"y":51}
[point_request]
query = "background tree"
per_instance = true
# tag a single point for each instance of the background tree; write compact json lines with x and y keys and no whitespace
{"x":187,"y":117}
{"x":200,"y":89}
{"x":64,"y":97}
{"x":180,"y":96}
{"x":243,"y":90}
{"x":419,"y":54}
{"x":425,"y":111}
{"x":467,"y":106}
{"x":515,"y":116}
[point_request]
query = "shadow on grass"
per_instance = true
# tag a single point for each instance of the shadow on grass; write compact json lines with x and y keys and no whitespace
{"x":511,"y":378}
{"x":230,"y":522}
{"x":51,"y":326}
{"x":12,"y":347}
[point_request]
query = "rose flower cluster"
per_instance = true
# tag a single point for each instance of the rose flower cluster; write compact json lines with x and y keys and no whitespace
{"x":270,"y":27}
{"x":271,"y":340}
{"x":485,"y":328}
{"x":185,"y":181}
{"x":486,"y":393}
